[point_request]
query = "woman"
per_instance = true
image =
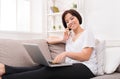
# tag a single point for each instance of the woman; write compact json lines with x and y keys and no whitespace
{"x":80,"y":51}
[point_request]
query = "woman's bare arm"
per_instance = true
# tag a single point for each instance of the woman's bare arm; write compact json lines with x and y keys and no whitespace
{"x":54,"y":40}
{"x":84,"y":55}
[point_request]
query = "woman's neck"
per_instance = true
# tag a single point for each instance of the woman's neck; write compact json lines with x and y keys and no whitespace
{"x":77,"y":33}
{"x":78,"y":30}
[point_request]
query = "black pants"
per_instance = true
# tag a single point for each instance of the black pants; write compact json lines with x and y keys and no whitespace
{"x":77,"y":71}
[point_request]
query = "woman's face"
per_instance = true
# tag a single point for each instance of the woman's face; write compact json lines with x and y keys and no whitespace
{"x":71,"y":21}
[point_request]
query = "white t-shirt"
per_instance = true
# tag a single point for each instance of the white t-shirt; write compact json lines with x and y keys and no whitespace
{"x":86,"y":39}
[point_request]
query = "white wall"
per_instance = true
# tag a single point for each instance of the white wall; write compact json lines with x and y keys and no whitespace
{"x":103,"y":17}
{"x":36,"y":13}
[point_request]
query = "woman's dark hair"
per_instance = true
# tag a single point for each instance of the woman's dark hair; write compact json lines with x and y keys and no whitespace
{"x":72,"y":12}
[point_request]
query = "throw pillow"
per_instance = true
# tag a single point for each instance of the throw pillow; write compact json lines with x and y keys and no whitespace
{"x":118,"y":69}
{"x":14,"y":54}
{"x":112,"y":59}
{"x":100,"y":50}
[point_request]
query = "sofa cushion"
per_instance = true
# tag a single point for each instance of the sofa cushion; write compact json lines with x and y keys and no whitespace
{"x":112,"y":59}
{"x":14,"y":54}
{"x":100,"y":50}
{"x":109,"y":76}
{"x":43,"y":45}
{"x":118,"y":69}
{"x":55,"y":49}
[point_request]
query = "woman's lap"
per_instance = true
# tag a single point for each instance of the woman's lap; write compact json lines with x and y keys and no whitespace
{"x":12,"y":70}
{"x":76,"y":71}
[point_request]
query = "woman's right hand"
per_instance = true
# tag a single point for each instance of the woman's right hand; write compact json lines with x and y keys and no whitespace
{"x":60,"y":58}
{"x":66,"y":34}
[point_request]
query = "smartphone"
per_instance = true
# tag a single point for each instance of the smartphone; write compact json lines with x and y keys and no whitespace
{"x":69,"y":29}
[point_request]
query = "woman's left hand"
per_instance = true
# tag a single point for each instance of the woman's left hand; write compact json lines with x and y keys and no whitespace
{"x":60,"y":58}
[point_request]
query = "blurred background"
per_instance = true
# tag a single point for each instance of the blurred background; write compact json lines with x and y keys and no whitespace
{"x":35,"y":19}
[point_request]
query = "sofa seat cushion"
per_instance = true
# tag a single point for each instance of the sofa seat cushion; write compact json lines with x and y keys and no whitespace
{"x":108,"y":76}
{"x":13,"y":53}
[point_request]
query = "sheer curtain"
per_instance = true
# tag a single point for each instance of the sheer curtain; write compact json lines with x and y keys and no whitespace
{"x":21,"y":16}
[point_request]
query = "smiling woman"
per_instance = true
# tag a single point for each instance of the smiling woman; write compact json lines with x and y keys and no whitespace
{"x":21,"y":15}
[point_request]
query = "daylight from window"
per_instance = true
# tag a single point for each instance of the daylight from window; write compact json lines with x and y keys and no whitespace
{"x":17,"y":15}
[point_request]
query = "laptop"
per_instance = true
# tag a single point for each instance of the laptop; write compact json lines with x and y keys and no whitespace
{"x":38,"y":56}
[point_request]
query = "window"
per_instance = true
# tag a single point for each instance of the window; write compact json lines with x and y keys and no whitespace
{"x":21,"y":15}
